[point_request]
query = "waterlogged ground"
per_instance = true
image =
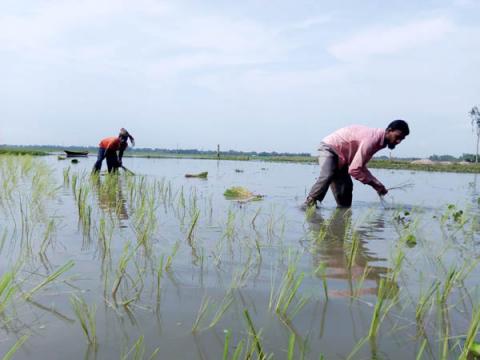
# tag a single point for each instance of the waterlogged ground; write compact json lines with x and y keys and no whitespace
{"x":159,"y":265}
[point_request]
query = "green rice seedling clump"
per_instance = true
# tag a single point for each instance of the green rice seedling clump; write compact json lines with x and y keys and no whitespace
{"x":241,"y":193}
{"x":202,"y":175}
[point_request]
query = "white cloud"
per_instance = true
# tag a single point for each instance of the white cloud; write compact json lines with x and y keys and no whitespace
{"x":157,"y":38}
{"x":391,"y":40}
{"x":311,"y":22}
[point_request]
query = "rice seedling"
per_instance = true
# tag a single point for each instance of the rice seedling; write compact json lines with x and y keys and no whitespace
{"x":50,"y":278}
{"x":74,"y":180}
{"x":201,"y":313}
{"x":86,"y":315}
{"x":471,"y":347}
{"x":255,"y":217}
{"x":357,"y":348}
{"x":450,"y":281}
{"x":168,"y":264}
{"x":205,"y":308}
{"x":352,"y":249}
{"x":7,"y":289}
{"x":322,"y":271}
{"x":256,"y":338}
{"x":407,"y":185}
{"x":9,"y":355}
{"x":239,"y":350}
{"x":281,"y":301}
{"x":421,"y":350}
{"x":425,"y":302}
{"x":291,"y":346}
{"x":122,"y":268}
{"x":47,"y":236}
{"x":137,"y":351}
{"x":221,"y":309}
{"x":242,"y":194}
{"x":228,"y":335}
{"x":192,"y":227}
{"x":377,"y":312}
{"x":3,"y":239}
{"x":310,"y":211}
{"x":359,"y":283}
{"x":66,"y":176}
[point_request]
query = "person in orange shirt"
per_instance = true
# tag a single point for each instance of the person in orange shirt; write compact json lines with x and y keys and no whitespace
{"x":108,"y":148}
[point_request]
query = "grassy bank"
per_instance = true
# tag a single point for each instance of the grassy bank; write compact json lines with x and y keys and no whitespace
{"x":374,"y":164}
{"x":6,"y":151}
{"x":406,"y":165}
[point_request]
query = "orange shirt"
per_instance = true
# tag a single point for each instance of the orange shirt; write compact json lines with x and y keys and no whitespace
{"x":110,"y":143}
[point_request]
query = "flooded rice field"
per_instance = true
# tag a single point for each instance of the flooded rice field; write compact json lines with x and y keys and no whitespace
{"x":156,"y":265}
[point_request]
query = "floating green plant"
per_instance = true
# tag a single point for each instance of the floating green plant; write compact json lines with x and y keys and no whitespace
{"x":241,"y":193}
{"x":410,"y":240}
{"x":202,"y":175}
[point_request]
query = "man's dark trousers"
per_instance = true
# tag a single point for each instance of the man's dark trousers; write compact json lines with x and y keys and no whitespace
{"x":332,"y":176}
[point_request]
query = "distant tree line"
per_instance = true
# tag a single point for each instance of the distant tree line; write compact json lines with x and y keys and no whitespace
{"x":464,"y":157}
{"x":93,"y":149}
{"x":55,"y":148}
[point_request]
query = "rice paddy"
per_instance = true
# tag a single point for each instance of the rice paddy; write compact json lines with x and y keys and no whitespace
{"x":156,"y":265}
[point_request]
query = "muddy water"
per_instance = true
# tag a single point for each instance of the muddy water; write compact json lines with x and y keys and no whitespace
{"x":238,"y":255}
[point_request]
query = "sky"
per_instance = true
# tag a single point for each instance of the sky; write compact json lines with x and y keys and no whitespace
{"x":249,"y":75}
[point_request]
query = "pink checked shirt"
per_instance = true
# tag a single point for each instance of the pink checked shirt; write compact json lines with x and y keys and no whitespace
{"x":355,"y":145}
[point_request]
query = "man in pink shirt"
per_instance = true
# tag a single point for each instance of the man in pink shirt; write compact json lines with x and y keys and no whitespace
{"x":345,"y":153}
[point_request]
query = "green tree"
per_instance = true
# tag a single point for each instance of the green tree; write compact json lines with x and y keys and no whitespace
{"x":475,"y":117}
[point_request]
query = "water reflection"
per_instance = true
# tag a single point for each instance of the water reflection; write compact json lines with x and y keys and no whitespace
{"x":341,"y":249}
{"x":110,"y":196}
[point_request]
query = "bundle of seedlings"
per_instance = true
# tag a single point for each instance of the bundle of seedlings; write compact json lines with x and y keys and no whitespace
{"x":202,"y":175}
{"x":240,"y":193}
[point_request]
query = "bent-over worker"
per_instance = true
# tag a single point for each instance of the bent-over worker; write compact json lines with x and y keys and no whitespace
{"x":345,"y":154}
{"x":108,"y":149}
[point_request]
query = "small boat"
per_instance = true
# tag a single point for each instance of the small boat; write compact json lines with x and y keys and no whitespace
{"x":76,"y":153}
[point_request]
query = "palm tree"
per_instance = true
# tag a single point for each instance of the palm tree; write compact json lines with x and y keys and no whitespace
{"x":475,"y":116}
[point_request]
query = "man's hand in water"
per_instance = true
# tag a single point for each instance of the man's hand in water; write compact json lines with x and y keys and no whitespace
{"x":382,"y":191}
{"x":379,"y":188}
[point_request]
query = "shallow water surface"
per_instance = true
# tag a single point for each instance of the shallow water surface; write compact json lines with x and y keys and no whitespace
{"x":172,"y":266}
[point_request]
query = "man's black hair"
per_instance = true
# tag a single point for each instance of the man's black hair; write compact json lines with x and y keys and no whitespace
{"x":399,"y":125}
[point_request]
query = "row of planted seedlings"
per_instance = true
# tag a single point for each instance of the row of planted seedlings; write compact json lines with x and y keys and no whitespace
{"x":126,"y":277}
{"x":146,"y":201}
{"x":427,"y":298}
{"x":393,"y":301}
{"x":28,"y":190}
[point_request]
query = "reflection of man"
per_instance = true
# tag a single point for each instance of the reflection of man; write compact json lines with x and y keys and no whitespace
{"x":331,"y":252}
{"x":345,"y":153}
{"x":108,"y":148}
